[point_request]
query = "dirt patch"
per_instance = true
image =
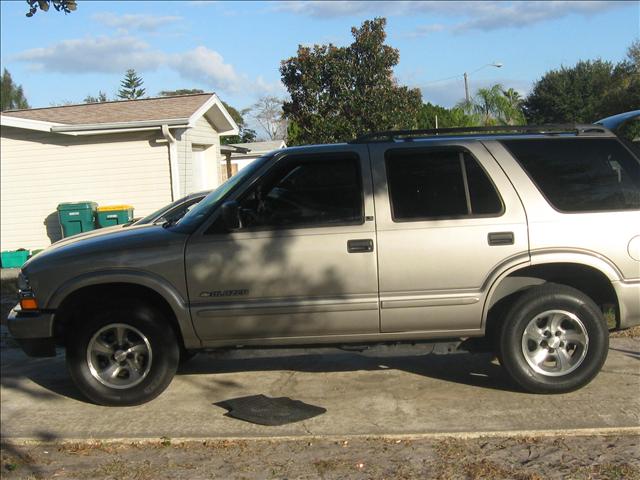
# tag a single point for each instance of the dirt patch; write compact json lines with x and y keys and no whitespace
{"x":586,"y":457}
{"x":629,"y":332}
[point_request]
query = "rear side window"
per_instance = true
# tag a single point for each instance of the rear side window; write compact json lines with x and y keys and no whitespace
{"x":579,"y":174}
{"x":431,"y":185}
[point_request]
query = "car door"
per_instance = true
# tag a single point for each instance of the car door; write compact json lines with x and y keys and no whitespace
{"x":302,"y":264}
{"x":448,"y":220}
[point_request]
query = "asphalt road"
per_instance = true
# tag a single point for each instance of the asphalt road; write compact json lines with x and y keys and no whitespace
{"x":437,"y":394}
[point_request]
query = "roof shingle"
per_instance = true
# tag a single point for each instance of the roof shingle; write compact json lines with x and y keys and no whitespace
{"x":160,"y":108}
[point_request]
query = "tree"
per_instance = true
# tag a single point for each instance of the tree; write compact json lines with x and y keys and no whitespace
{"x":338,"y":93}
{"x":180,"y":91}
{"x":66,"y":6}
{"x":586,"y":92}
{"x":244,"y":134}
{"x":495,"y":106}
{"x":268,"y":113}
{"x":633,"y":55}
{"x":131,"y":86}
{"x":447,"y":118}
{"x":11,"y":95}
{"x":513,"y":113}
{"x":102,"y":97}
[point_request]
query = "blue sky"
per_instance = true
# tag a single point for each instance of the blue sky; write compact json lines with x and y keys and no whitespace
{"x":235,"y":48}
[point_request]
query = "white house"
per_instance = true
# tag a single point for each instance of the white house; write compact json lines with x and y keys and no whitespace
{"x":145,"y":153}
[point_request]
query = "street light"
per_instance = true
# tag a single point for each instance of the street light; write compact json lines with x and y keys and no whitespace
{"x":466,"y":82}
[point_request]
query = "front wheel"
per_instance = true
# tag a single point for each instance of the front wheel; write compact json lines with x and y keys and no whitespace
{"x":125,"y":355}
{"x":554,"y":339}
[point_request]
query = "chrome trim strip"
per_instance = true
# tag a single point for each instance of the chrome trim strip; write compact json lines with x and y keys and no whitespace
{"x":284,"y":307}
{"x":429,"y":302}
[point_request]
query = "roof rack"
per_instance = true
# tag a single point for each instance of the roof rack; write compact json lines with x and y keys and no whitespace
{"x":394,"y":135}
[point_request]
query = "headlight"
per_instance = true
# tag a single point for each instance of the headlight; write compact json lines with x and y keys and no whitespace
{"x":23,"y":282}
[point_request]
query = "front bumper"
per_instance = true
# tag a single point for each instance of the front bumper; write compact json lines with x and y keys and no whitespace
{"x":33,"y":331}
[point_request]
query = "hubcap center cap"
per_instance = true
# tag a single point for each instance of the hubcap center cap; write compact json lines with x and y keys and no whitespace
{"x":553,"y":342}
{"x":120,"y":356}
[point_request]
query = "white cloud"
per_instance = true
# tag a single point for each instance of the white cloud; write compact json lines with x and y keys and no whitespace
{"x":201,"y":65}
{"x":207,"y":67}
{"x":464,"y":15}
{"x":424,"y":30}
{"x":145,"y":23}
{"x":497,"y":15}
{"x":93,"y":54}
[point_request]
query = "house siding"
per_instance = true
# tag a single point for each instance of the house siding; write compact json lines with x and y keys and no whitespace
{"x":39,"y":170}
{"x":202,"y":134}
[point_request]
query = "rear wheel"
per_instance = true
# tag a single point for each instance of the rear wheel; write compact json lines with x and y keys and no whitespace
{"x":554,"y":339}
{"x":125,"y":355}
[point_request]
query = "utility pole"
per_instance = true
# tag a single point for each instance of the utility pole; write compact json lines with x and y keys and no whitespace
{"x":466,"y":88}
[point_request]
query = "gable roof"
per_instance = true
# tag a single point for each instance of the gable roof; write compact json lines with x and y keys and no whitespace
{"x":175,"y":111}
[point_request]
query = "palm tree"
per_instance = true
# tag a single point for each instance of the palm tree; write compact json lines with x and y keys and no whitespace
{"x":495,"y":106}
{"x":513,"y":114}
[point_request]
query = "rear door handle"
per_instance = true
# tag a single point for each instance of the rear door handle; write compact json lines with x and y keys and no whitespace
{"x":360,"y":246}
{"x":500,"y":238}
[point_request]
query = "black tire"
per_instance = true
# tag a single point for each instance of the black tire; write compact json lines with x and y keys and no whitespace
{"x":518,"y":352}
{"x":186,"y":356}
{"x":156,"y":373}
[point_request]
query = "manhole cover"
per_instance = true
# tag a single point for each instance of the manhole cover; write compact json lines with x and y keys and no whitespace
{"x":270,"y":411}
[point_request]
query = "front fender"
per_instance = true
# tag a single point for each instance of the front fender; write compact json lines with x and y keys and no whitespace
{"x":179,"y":305}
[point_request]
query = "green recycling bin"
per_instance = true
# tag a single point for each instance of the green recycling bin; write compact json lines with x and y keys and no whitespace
{"x":114,"y":215}
{"x":14,"y":258}
{"x":77,"y":217}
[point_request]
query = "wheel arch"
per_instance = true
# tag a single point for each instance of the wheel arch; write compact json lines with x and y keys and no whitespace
{"x":82,"y":291}
{"x":594,"y":278}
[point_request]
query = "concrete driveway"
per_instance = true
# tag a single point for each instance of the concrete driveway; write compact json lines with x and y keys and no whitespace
{"x":363,"y":396}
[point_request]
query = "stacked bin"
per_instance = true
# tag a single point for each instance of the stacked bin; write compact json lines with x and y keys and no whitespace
{"x":76,"y":217}
{"x":114,"y":215}
{"x":14,"y":259}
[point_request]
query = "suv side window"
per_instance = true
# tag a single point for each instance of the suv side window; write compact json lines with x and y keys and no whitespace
{"x":629,"y":133}
{"x":306,"y":193}
{"x":581,"y":174}
{"x":439,"y":184}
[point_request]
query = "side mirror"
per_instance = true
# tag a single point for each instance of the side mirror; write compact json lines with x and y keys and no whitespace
{"x":231,"y":214}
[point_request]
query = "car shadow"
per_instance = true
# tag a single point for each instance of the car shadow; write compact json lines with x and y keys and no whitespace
{"x":478,"y":370}
{"x":49,"y":373}
{"x":473,"y":369}
{"x":627,"y":353}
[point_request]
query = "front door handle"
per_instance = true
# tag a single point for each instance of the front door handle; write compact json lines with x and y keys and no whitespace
{"x":360,"y":246}
{"x":500,"y":238}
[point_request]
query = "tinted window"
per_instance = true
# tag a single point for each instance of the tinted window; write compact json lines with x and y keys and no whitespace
{"x":581,"y":175}
{"x":629,"y":133}
{"x":306,"y":193}
{"x":201,"y":211}
{"x":438,"y":184}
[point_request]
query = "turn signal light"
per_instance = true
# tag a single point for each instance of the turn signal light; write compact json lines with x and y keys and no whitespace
{"x":28,"y":303}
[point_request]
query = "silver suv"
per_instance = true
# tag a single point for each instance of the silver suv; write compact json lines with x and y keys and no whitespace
{"x":515,"y":241}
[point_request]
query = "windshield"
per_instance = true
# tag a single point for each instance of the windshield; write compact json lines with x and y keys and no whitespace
{"x":203,"y":209}
{"x":158,"y":213}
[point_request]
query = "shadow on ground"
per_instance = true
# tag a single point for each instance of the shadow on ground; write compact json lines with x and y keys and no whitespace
{"x":477,"y":370}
